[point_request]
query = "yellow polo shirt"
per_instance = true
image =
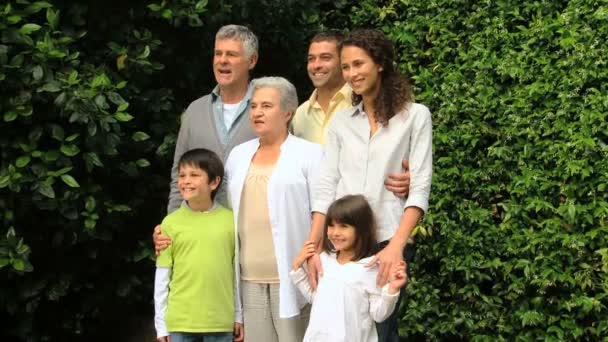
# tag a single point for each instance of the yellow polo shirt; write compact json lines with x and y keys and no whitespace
{"x":310,"y":121}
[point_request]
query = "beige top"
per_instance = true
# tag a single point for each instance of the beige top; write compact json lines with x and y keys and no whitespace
{"x":257,"y":257}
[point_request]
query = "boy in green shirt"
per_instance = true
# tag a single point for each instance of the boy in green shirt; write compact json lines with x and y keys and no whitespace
{"x":194,"y":295}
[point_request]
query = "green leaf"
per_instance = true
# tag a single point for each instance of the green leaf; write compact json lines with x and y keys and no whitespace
{"x":46,"y":190}
{"x":10,"y":116}
{"x":73,"y":78}
{"x":22,"y":161}
{"x":18,"y":264}
{"x":116,"y":99}
{"x":144,"y":53}
{"x":37,"y":6}
{"x":60,"y":99}
{"x":93,"y":158}
{"x":72,"y":137}
{"x":167,"y":14}
{"x":17,"y":61}
{"x":50,"y":156}
{"x":140,"y":136}
{"x":51,"y":87}
{"x":154,"y":7}
{"x":101,"y":102}
{"x":142,"y":162}
{"x":4,"y":261}
{"x":69,"y":150}
{"x":90,"y":204}
{"x":29,"y":28}
{"x":37,"y":72}
{"x":123,"y":106}
{"x":52,"y":17}
{"x":4,"y":181}
{"x":59,"y":172}
{"x":13,"y":19}
{"x":57,"y":132}
{"x":101,"y":80}
{"x":200,"y":5}
{"x":119,"y":208}
{"x":70,"y":181}
{"x":90,"y":224}
{"x":124,"y":117}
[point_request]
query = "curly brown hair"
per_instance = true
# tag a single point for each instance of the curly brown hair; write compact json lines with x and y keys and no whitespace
{"x":395,"y":89}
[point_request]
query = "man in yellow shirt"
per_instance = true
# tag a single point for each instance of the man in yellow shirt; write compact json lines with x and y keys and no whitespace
{"x":331,"y":93}
{"x":330,"y":96}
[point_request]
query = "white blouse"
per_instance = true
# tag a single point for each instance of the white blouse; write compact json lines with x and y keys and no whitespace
{"x":347,"y":302}
{"x":289,"y":207}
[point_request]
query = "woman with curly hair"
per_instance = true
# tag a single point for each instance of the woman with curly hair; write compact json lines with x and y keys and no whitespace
{"x":368,"y":142}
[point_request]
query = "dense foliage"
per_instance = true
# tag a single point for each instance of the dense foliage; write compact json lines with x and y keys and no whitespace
{"x":517,"y":236}
{"x":514,"y":247}
{"x":91,"y":94}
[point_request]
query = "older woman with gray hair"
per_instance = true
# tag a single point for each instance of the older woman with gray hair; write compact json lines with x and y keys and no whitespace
{"x":270,"y":181}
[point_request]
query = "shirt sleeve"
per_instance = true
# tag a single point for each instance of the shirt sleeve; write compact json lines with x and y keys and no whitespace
{"x":421,"y":161}
{"x":238,"y":305}
{"x":228,"y":174}
{"x":381,"y":303}
{"x":327,"y":182}
{"x":161,"y":294}
{"x":300,"y":280}
{"x":181,"y":146}
{"x":312,"y":171}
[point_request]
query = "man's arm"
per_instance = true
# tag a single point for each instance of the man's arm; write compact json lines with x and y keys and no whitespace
{"x":399,"y":183}
{"x":182,"y":145}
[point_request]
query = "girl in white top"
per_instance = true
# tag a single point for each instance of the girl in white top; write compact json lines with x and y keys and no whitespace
{"x":347,"y":302}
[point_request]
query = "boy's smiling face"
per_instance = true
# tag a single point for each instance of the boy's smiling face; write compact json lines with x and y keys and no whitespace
{"x":194,"y":184}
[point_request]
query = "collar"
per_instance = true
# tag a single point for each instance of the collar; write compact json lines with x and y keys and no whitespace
{"x":213,"y":207}
{"x":215,"y":93}
{"x":286,"y":143}
{"x":344,"y":93}
{"x":358,"y":110}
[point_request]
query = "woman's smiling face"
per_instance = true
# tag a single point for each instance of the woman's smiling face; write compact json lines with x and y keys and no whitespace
{"x":360,"y":71}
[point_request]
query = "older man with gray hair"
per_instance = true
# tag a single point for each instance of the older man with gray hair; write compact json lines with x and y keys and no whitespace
{"x":218,"y":121}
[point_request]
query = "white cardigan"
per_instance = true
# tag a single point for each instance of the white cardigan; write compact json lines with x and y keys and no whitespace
{"x":289,"y":206}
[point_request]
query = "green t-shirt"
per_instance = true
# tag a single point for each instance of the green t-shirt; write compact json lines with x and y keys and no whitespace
{"x":201,"y":257}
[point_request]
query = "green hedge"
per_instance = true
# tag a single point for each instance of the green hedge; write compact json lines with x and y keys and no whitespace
{"x":90,"y":98}
{"x":516,"y":240}
{"x":513,"y":248}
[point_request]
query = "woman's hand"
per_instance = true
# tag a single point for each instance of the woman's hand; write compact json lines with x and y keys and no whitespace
{"x":164,"y":339}
{"x":314,"y":270}
{"x":161,"y":242}
{"x":398,"y":278}
{"x":239,"y":332}
{"x":387,"y":258}
{"x":307,"y":251}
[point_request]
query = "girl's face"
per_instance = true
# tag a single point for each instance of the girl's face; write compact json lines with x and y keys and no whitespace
{"x":342,"y":236}
{"x":360,"y":71}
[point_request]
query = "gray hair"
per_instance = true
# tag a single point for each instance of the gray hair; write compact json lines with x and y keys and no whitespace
{"x":287,"y":91}
{"x":242,"y":34}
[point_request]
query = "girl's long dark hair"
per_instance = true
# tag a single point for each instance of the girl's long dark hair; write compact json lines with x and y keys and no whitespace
{"x":395,"y":89}
{"x":353,"y":210}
